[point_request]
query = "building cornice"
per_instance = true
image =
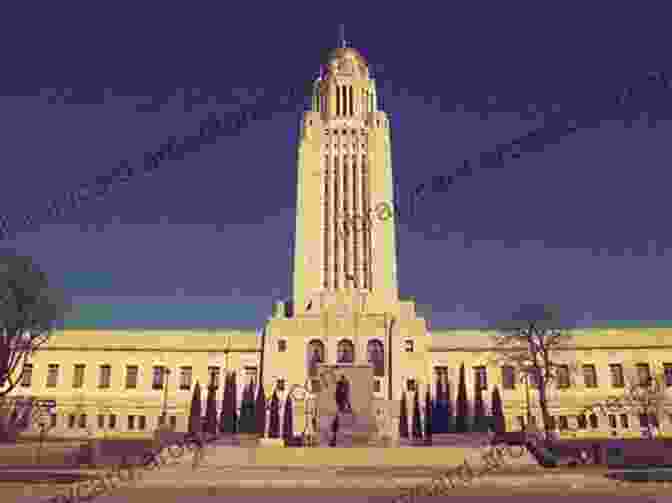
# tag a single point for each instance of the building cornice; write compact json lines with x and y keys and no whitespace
{"x":148,"y":349}
{"x":440,"y":349}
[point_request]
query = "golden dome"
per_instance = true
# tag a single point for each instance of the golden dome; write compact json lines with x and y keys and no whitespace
{"x":346,"y":61}
{"x":346,"y":53}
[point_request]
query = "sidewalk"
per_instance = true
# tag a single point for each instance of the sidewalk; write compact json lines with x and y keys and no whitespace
{"x":327,"y":480}
{"x":344,"y":477}
{"x":352,"y":478}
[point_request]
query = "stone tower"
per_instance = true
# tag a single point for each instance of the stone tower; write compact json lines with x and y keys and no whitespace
{"x":345,"y":314}
{"x":345,"y":247}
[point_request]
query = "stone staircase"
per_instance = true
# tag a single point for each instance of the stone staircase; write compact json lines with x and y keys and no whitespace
{"x":354,"y":430}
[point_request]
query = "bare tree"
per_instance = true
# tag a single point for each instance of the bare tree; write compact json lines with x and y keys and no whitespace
{"x":16,"y":415}
{"x":646,"y":398}
{"x":528,"y":341}
{"x":643,"y":395}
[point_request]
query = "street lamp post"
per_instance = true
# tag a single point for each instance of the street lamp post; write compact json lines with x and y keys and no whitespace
{"x":164,"y":415}
{"x":527,"y":400}
{"x":44,"y":423}
{"x":310,"y":417}
{"x":640,"y":395}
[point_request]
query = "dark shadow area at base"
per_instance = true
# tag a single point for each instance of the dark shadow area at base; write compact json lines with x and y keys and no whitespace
{"x":653,"y":475}
{"x":42,"y":477}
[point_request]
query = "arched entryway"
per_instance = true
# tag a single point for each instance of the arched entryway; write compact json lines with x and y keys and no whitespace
{"x":376,"y":357}
{"x":314,"y":356}
{"x":345,"y":352}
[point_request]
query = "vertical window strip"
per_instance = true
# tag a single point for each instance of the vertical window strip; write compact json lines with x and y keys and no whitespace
{"x":326,"y":222}
{"x":347,"y":222}
{"x":338,"y":100}
{"x":337,"y":207}
{"x":357,"y":223}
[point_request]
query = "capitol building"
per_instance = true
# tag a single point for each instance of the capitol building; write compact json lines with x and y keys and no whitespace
{"x":345,"y":311}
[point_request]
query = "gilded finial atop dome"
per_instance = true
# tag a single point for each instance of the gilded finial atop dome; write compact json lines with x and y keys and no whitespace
{"x":344,"y":60}
{"x":342,"y":43}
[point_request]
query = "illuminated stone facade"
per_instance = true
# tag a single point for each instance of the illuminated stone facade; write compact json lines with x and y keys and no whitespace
{"x":345,"y":308}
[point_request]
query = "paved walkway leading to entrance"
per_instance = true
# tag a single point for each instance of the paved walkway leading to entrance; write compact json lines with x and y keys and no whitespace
{"x":350,"y":478}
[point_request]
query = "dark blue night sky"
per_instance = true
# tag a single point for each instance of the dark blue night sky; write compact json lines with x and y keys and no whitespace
{"x":573,"y":213}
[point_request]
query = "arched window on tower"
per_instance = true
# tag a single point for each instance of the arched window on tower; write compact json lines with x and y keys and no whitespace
{"x":376,"y":357}
{"x":345,"y":352}
{"x":315,"y":356}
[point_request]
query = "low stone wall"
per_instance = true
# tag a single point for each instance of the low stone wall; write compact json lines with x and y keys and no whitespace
{"x":225,"y":456}
{"x":51,"y":454}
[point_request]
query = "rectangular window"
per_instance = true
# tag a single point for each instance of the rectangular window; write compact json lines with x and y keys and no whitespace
{"x":142,"y":422}
{"x":589,"y":376}
{"x":593,"y":421}
{"x":643,"y":421}
{"x":105,"y":375}
{"x":161,"y":420}
{"x":643,"y":374}
{"x":582,"y":422}
{"x":564,"y":423}
{"x":185,"y":378}
{"x":251,"y":376}
{"x":113,"y":421}
{"x":101,"y":421}
{"x":131,"y":422}
{"x":667,"y":369}
{"x":82,"y":420}
{"x":624,"y":421}
{"x":27,"y":377}
{"x":280,"y":385}
{"x":508,"y":377}
{"x":131,"y":377}
{"x":616,"y":370}
{"x":441,"y":373}
{"x":409,"y":346}
{"x":282,"y":346}
{"x":410,"y":385}
{"x":552,"y":422}
{"x":480,"y":378}
{"x":376,"y":385}
{"x":563,"y":376}
{"x":612,"y":420}
{"x":71,"y":421}
{"x":158,"y":371}
{"x":173,"y":422}
{"x":78,"y":376}
{"x":52,"y":375}
{"x":521,"y":422}
{"x":214,"y":373}
{"x":315,"y":385}
{"x":53,"y":421}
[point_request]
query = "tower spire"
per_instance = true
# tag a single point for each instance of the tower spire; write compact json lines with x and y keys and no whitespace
{"x":341,"y":37}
